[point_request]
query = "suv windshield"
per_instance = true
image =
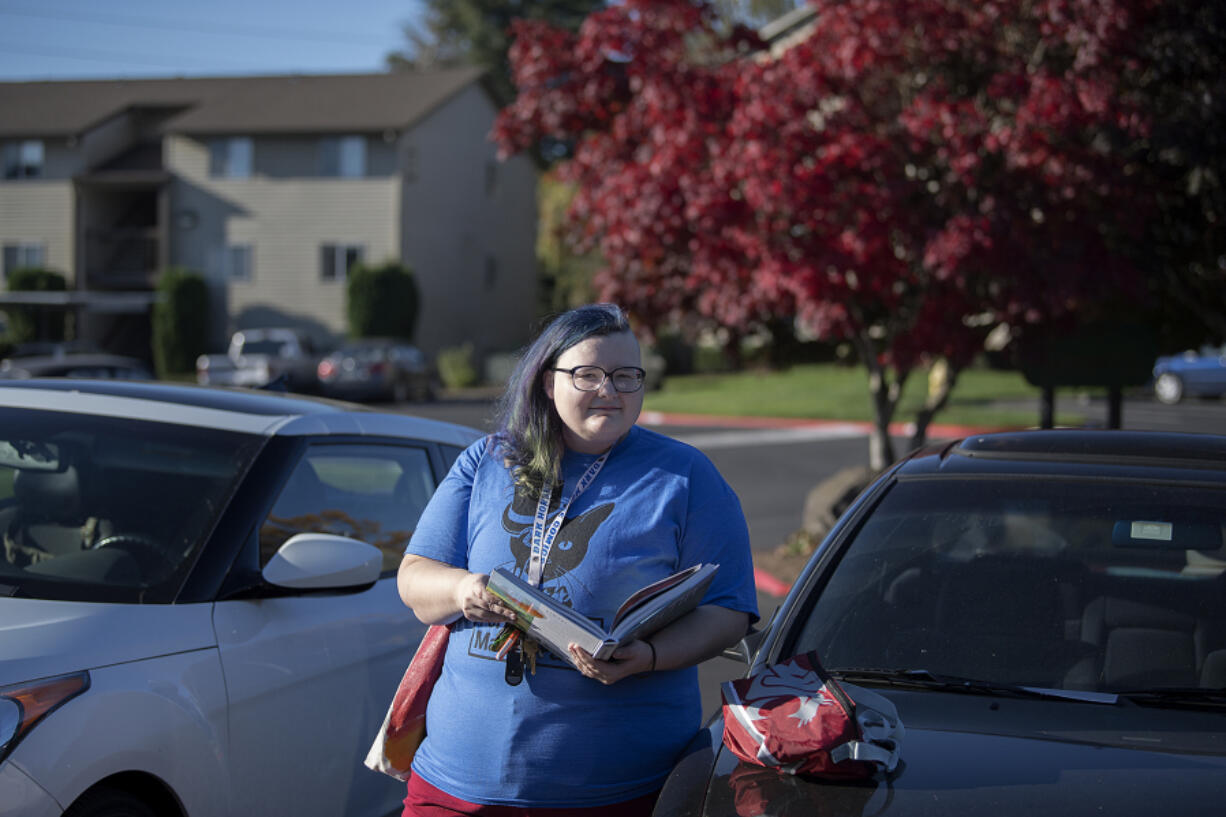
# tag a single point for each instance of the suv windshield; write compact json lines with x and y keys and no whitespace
{"x":1066,"y":584}
{"x":106,"y":508}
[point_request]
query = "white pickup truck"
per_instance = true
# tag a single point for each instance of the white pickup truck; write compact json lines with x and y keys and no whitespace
{"x":258,"y":357}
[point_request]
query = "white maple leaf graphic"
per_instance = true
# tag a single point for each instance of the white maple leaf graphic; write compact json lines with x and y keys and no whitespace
{"x":807,"y":710}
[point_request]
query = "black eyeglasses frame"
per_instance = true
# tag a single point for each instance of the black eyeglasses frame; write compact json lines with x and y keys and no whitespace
{"x":608,"y":377}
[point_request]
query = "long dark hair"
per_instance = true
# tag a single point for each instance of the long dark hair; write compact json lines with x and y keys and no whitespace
{"x":529,"y":429}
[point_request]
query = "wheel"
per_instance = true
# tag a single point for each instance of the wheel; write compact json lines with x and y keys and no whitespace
{"x":1168,"y":388}
{"x":108,"y":802}
{"x":400,"y":390}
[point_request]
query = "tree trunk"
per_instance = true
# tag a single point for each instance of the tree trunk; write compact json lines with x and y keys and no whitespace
{"x":941,"y":381}
{"x":885,"y":398}
{"x":1115,"y":407}
{"x":1047,"y":407}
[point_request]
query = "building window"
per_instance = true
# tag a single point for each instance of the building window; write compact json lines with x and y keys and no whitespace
{"x":21,"y":256}
{"x":239,"y":262}
{"x":336,"y":260}
{"x":24,"y":159}
{"x":230,"y":158}
{"x":343,"y":156}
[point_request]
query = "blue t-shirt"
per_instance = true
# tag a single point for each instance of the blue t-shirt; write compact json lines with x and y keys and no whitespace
{"x":560,"y":739}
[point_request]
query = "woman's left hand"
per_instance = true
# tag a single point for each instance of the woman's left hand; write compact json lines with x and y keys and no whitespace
{"x":629,"y":659}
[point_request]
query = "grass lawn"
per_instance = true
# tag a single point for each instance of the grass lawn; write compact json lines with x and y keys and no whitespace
{"x":832,"y":392}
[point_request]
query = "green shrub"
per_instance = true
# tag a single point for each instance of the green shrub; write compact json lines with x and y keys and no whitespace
{"x":456,"y":367}
{"x":180,"y":321}
{"x":382,"y":301}
{"x":34,"y":322}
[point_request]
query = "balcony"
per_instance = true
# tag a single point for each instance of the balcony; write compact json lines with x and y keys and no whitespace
{"x":122,"y":259}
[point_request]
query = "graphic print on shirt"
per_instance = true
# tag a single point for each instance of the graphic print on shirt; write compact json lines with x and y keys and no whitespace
{"x":568,"y":551}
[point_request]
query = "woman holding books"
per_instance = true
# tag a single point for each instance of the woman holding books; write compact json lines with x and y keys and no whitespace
{"x":574,"y":498}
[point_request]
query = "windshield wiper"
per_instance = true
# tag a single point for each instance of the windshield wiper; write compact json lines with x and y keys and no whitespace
{"x":925,"y":679}
{"x":1190,"y":697}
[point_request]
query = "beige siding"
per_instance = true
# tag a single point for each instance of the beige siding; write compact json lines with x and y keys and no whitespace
{"x":40,"y":211}
{"x":285,"y":220}
{"x":426,"y":200}
{"x":471,"y":246}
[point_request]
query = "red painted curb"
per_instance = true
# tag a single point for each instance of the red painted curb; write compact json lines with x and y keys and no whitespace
{"x":769,"y":584}
{"x":663,"y":418}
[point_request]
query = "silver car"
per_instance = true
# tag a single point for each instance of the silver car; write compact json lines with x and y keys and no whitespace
{"x":198,"y":611}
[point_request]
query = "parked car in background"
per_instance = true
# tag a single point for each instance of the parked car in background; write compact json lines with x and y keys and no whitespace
{"x":1046,"y":610}
{"x":50,"y":348}
{"x":97,"y":365}
{"x":377,"y":369}
{"x":197,"y":596}
{"x":259,"y":357}
{"x":1199,"y":374}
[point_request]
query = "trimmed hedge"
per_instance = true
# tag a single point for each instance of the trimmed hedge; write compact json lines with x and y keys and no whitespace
{"x":32,"y":322}
{"x":457,"y":367}
{"x":382,"y":301}
{"x":180,"y":321}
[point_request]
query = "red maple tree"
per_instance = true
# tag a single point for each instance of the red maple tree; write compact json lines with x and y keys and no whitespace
{"x":901,"y":175}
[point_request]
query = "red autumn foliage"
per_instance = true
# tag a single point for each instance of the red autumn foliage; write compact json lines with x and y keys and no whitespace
{"x":903,"y":176}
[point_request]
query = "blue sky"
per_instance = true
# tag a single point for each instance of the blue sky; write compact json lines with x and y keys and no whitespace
{"x":73,"y":39}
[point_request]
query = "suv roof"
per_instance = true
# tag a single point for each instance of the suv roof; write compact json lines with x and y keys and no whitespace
{"x":1078,"y":452}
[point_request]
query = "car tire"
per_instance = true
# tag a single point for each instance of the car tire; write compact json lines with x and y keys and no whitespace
{"x":109,"y":802}
{"x":400,"y":390}
{"x":1168,"y":388}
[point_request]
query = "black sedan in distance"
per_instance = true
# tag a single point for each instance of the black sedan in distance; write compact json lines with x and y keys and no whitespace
{"x":1046,"y":609}
{"x":377,"y":369}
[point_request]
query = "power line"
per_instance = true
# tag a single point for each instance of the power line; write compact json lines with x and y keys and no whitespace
{"x":102,"y":55}
{"x":168,"y":24}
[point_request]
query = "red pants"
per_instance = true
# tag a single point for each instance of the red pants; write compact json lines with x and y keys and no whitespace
{"x":424,"y":800}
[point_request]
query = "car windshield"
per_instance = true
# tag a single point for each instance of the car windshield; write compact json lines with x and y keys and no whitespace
{"x":109,"y":508}
{"x":1103,"y":586}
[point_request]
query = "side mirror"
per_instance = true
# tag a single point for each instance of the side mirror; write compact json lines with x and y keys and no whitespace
{"x":744,"y":649}
{"x":322,"y":561}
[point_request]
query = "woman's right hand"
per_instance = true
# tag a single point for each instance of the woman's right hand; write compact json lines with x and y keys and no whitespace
{"x":478,"y":604}
{"x":440,"y":593}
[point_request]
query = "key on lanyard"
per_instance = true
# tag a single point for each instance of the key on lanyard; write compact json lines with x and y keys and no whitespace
{"x":542,"y":543}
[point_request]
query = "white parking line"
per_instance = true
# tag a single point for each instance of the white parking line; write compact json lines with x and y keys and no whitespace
{"x":738,"y":438}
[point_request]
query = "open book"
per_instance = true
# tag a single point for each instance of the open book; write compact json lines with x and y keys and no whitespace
{"x":645,"y":612}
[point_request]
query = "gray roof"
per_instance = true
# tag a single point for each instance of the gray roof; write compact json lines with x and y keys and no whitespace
{"x":246,"y":105}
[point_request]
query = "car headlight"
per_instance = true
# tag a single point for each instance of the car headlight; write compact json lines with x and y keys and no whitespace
{"x":24,"y":705}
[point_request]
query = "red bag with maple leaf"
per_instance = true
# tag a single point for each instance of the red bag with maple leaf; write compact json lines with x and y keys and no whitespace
{"x":793,"y":717}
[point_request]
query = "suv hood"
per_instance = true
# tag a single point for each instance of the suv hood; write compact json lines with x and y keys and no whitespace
{"x":39,"y":639}
{"x":948,"y":773}
{"x":980,"y":755}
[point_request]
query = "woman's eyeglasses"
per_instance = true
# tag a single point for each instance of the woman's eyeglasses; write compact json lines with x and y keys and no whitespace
{"x":626,"y":379}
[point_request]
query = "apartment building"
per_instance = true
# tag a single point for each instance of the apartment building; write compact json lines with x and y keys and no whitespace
{"x":272,"y":187}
